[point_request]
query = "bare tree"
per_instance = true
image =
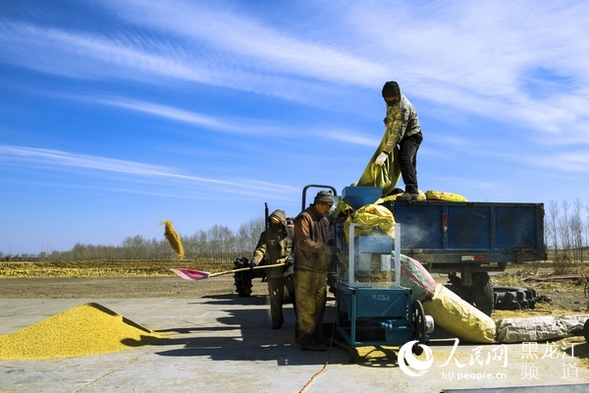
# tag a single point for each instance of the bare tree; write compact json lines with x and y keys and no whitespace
{"x":136,"y":247}
{"x":80,"y":252}
{"x":586,"y":244}
{"x":564,"y":226}
{"x":248,"y":235}
{"x":576,"y":228}
{"x":221,"y":243}
{"x":553,"y":218}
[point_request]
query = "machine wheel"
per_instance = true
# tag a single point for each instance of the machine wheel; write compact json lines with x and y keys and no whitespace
{"x":419,"y":327}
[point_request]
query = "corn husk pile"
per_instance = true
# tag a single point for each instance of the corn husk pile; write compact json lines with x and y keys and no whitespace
{"x":173,"y":238}
{"x":87,"y":329}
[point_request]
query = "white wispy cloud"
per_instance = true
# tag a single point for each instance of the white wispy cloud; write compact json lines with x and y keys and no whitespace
{"x":459,"y":59}
{"x":84,"y":55}
{"x":560,"y":162}
{"x":236,"y":125}
{"x":185,"y":116}
{"x":48,"y":156}
{"x":265,"y":47}
{"x":480,"y":57}
{"x":350,"y":137}
{"x":76,"y":54}
{"x":49,"y":159}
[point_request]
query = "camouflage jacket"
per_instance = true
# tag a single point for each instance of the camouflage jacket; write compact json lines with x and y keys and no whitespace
{"x":274,"y":246}
{"x":401,"y":121}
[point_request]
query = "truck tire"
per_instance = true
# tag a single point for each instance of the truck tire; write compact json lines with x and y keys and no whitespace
{"x":480,"y":294}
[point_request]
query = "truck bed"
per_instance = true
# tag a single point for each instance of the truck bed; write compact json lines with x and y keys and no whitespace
{"x":446,"y":236}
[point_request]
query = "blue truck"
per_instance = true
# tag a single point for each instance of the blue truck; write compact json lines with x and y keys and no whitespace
{"x":465,"y":240}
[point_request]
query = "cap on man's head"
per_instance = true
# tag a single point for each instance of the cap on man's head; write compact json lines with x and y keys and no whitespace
{"x":391,"y":89}
{"x":324,"y":198}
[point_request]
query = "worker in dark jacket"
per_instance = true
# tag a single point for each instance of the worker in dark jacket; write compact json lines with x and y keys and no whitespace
{"x":275,"y":246}
{"x":402,"y":130}
{"x":312,"y":261}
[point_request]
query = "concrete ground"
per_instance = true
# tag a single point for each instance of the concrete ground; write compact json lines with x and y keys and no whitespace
{"x":224,"y":344}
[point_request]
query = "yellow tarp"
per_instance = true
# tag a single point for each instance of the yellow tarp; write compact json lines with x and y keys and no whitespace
{"x":390,"y":198}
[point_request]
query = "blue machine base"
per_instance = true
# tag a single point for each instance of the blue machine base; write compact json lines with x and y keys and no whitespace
{"x":374,"y":316}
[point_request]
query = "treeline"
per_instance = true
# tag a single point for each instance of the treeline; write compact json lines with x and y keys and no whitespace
{"x":219,"y":243}
{"x":566,"y":228}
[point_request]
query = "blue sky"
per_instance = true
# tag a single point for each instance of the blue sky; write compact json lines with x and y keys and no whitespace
{"x":115,"y":115}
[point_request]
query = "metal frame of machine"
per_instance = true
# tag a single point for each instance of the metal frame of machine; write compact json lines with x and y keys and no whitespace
{"x":372,"y":307}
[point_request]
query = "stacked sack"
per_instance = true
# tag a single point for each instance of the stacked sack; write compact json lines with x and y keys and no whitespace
{"x":537,"y":329}
{"x":459,"y":317}
{"x":415,"y":277}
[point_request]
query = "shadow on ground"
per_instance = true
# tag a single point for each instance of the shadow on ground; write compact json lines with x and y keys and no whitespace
{"x":243,"y":334}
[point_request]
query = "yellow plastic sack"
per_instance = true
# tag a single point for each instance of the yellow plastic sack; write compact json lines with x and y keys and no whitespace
{"x":369,"y":217}
{"x":389,"y":198}
{"x":342,"y":209}
{"x":432,"y":195}
{"x":460,"y":318}
{"x":386,"y":176}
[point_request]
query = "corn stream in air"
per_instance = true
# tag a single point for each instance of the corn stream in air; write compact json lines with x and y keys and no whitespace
{"x":173,"y":238}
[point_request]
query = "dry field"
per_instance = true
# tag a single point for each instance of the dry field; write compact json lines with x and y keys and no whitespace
{"x":139,"y":278}
{"x":104,"y":269}
{"x":109,"y":279}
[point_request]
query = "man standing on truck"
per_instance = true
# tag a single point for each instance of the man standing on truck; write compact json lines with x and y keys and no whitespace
{"x":275,"y":246}
{"x":402,"y":129}
{"x":312,"y":262}
{"x":401,"y":139}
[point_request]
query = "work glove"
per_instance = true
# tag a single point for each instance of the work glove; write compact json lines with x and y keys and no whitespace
{"x":253,"y":264}
{"x":382,"y":157}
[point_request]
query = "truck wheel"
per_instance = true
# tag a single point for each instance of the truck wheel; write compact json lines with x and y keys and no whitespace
{"x":480,"y":294}
{"x":455,"y":285}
